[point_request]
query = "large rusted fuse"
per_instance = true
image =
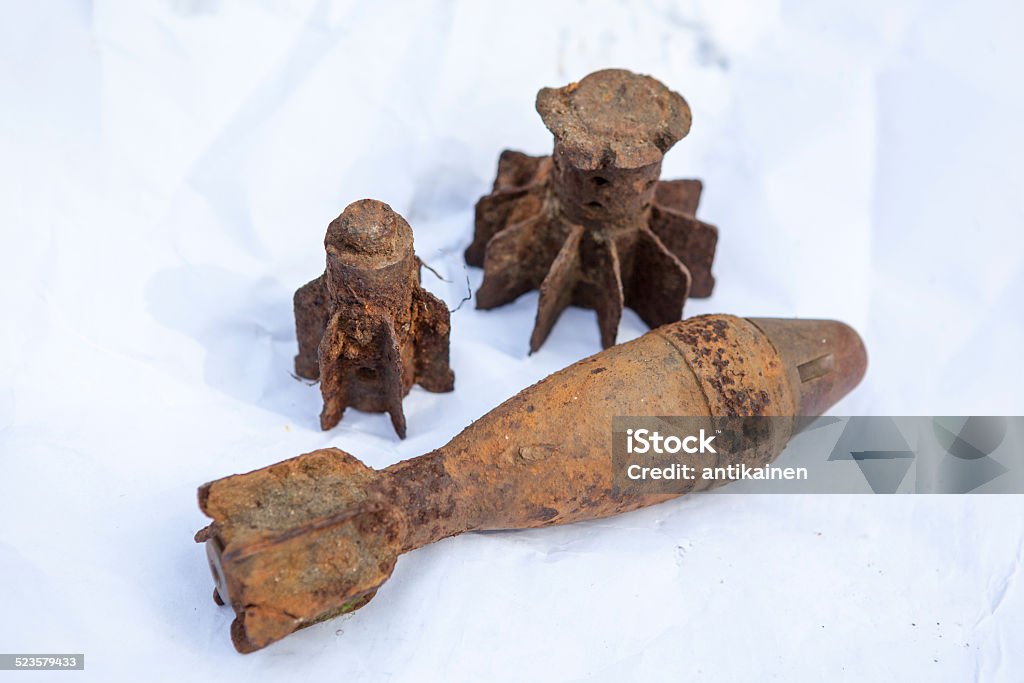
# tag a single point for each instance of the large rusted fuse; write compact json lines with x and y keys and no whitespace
{"x":366,"y":328}
{"x":592,"y":225}
{"x":315,"y":536}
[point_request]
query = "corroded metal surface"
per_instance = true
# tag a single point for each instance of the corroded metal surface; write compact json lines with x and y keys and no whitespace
{"x":592,"y":225}
{"x":317,"y":535}
{"x":366,"y":328}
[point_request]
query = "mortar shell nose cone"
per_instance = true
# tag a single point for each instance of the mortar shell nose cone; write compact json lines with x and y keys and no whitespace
{"x":825,"y":359}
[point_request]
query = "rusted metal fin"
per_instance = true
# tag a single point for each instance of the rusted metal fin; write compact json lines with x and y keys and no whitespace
{"x":297,"y":542}
{"x":308,"y":527}
{"x":679,"y":195}
{"x":311,"y":315}
{"x":601,"y":289}
{"x":609,"y":307}
{"x":432,"y":329}
{"x":517,"y":195}
{"x":492,"y":215}
{"x":391,"y":376}
{"x":692,"y":241}
{"x":659,"y":284}
{"x":510,"y":269}
{"x":333,"y":384}
{"x":517,"y":170}
{"x":557,"y":288}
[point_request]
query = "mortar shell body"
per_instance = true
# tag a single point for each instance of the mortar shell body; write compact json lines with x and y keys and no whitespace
{"x":314,"y":536}
{"x":545,"y":456}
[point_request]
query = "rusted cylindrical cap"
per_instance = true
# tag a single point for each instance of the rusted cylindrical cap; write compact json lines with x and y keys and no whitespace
{"x":825,"y":359}
{"x":370,"y":230}
{"x":370,"y":253}
{"x":614,"y":118}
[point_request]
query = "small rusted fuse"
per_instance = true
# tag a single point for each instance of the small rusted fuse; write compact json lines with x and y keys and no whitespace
{"x":366,"y":328}
{"x":592,"y":225}
{"x":315,"y":536}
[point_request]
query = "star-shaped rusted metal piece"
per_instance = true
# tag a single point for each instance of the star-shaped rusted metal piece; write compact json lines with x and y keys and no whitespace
{"x":366,"y":329}
{"x":592,"y":225}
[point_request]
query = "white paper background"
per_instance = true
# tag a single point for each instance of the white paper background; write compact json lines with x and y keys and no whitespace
{"x":169,"y":169}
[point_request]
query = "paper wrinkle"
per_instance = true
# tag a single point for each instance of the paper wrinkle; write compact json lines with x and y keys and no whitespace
{"x":997,"y":594}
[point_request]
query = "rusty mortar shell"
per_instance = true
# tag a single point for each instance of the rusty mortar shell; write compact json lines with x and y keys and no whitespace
{"x":366,"y":329}
{"x":315,"y":536}
{"x":592,"y":225}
